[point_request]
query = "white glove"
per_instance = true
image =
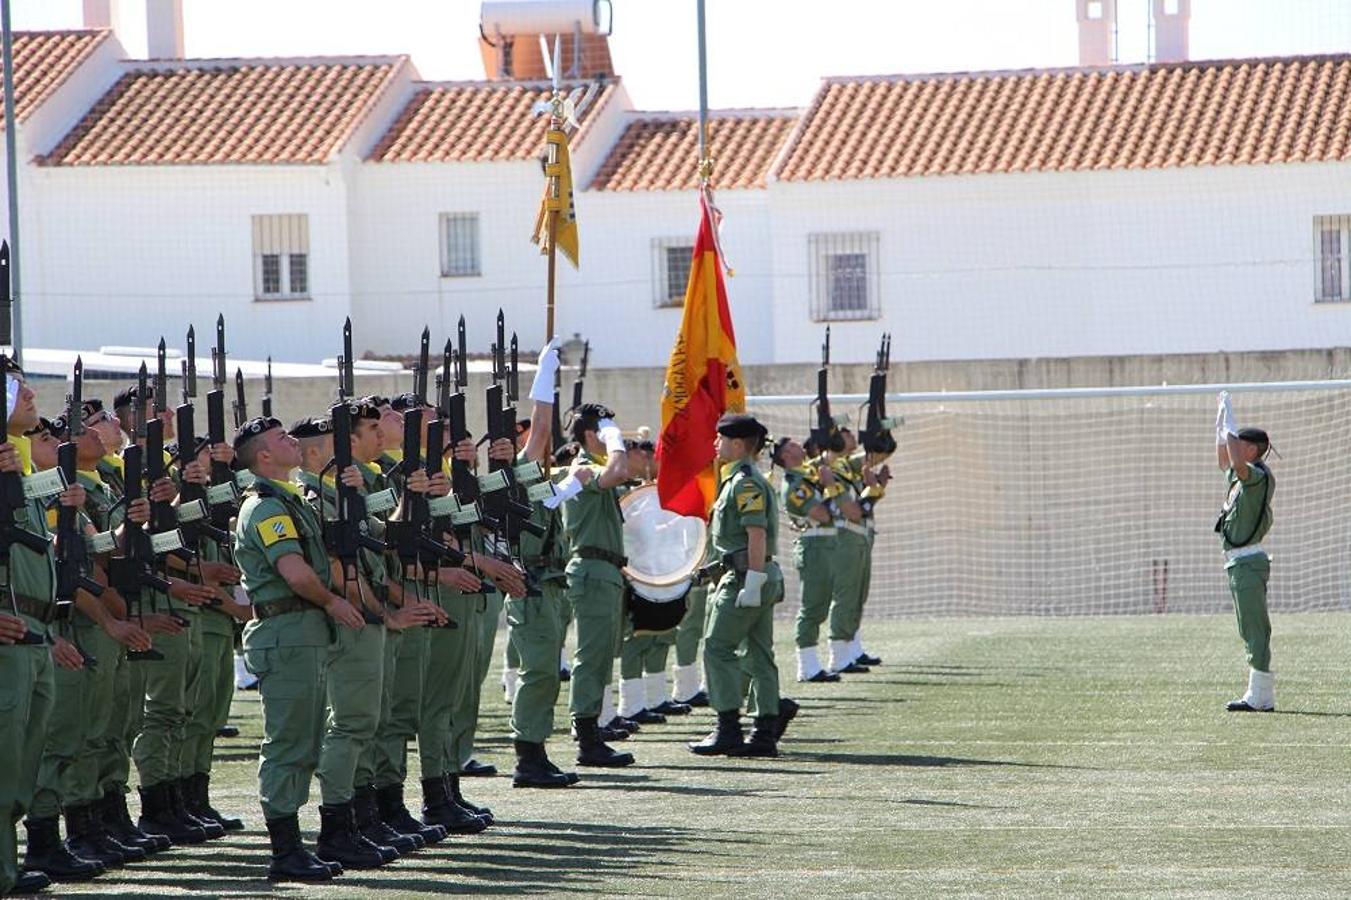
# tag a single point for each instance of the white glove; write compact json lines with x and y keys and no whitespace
{"x":542,"y":388}
{"x":749,"y":595}
{"x":565,"y":490}
{"x":1227,"y":424}
{"x":11,"y":394}
{"x":610,"y":436}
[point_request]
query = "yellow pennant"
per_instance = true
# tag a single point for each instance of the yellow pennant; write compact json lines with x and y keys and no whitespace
{"x":557,"y":199}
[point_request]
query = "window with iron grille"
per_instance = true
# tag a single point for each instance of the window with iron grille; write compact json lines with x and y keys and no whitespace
{"x":1332,"y":235}
{"x":671,"y":261}
{"x":843,"y":272}
{"x":459,"y":245}
{"x":281,"y":257}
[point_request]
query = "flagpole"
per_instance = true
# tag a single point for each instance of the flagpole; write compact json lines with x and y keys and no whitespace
{"x":705,"y":164}
{"x":12,"y":180}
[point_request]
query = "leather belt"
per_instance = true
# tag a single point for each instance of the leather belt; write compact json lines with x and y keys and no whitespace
{"x":827,"y":531}
{"x":850,"y":526}
{"x":617,"y":560}
{"x":1240,"y":552}
{"x":41,"y":610}
{"x":281,"y":607}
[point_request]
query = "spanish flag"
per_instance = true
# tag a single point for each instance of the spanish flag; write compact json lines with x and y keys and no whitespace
{"x":703,"y":379}
{"x":557,"y":198}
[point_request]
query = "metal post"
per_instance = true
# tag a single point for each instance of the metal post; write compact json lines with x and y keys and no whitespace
{"x":12,"y":178}
{"x":703,"y":86}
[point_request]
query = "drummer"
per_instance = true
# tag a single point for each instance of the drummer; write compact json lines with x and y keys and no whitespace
{"x":643,"y":693}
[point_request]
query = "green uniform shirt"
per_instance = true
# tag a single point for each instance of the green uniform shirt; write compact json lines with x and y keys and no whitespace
{"x":110,"y":470}
{"x":544,"y":555}
{"x":1246,"y":516}
{"x":745,"y":500}
{"x":275,"y":521}
{"x":592,"y":519}
{"x":800,"y":494}
{"x":100,"y":500}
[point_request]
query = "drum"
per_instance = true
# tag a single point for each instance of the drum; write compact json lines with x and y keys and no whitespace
{"x":664,"y":550}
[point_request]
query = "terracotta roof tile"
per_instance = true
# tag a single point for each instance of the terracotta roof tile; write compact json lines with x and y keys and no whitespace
{"x":661,"y":154}
{"x":199,"y":113}
{"x":473,"y":121}
{"x":1203,"y":113}
{"x":43,"y":60}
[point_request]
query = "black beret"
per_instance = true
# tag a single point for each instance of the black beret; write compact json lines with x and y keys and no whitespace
{"x":406,"y":400}
{"x":311,"y":427}
{"x":252,"y":428}
{"x":375,"y":400}
{"x":47,"y":425}
{"x":595,"y":411}
{"x":778,"y":448}
{"x":1255,"y":436}
{"x":522,"y":425}
{"x":741,"y":425}
{"x":91,"y":407}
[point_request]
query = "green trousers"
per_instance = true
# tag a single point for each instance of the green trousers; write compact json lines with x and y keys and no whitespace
{"x":373,"y":754}
{"x":850,"y":557}
{"x":467,"y":727}
{"x":355,"y":672}
{"x":645,"y":654}
{"x":103,"y":718}
{"x":739,"y":642}
{"x":597,"y":608}
{"x":691,"y":628}
{"x":535,"y":633}
{"x":814,"y":559}
{"x":27,"y":695}
{"x":291,"y":688}
{"x":128,"y":714}
{"x":158,"y":748}
{"x":211,"y":686}
{"x":392,"y":737}
{"x":448,"y":712}
{"x":1248,"y":577}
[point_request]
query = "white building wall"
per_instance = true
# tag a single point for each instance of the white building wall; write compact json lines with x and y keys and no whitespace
{"x":1075,"y":264}
{"x":115,"y":255}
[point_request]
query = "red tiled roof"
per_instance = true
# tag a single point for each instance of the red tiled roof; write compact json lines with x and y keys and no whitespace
{"x":43,"y":60}
{"x":662,"y":154}
{"x":1203,"y":113}
{"x":473,"y":121}
{"x":198,"y":113}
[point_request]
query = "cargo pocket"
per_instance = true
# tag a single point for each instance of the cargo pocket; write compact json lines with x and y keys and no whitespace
{"x":517,"y":612}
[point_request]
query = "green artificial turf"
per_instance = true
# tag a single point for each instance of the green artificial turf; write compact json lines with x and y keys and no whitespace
{"x":1015,"y":757}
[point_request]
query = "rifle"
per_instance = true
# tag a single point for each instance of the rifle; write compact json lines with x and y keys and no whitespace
{"x":72,"y":556}
{"x":581,"y":377}
{"x":267,"y":390}
{"x":876,"y":434}
{"x":241,"y":409}
{"x":223,"y":495}
{"x":463,"y":484}
{"x":346,"y":534}
{"x":499,"y":484}
{"x":133,"y":572}
{"x":12,"y":501}
{"x":193,"y":518}
{"x":826,"y":433}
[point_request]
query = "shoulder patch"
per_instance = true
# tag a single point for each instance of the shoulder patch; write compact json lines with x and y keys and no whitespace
{"x":749,"y":497}
{"x":277,"y":528}
{"x":51,"y":518}
{"x":802,"y":494}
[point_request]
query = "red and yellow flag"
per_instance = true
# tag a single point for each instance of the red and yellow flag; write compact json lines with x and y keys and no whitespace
{"x":703,"y":379}
{"x":557,"y":198}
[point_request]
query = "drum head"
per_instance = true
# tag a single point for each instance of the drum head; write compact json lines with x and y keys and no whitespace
{"x":663,"y":548}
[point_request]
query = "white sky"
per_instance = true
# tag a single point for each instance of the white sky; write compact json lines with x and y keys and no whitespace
{"x":761,"y":52}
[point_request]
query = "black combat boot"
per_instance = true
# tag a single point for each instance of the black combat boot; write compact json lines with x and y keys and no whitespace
{"x":699,"y":699}
{"x":48,"y":854}
{"x":723,"y":739}
{"x":788,"y":710}
{"x":439,"y":809}
{"x":374,"y":829}
{"x":475,"y":769}
{"x":197,"y":799}
{"x":647,"y":717}
{"x":340,"y":842}
{"x":290,"y":860}
{"x":533,"y":769}
{"x":86,"y":838}
{"x":178,"y":794}
{"x":31,"y":882}
{"x":673,"y":708}
{"x":396,"y":815}
{"x":592,"y":751}
{"x":116,"y":819}
{"x":572,"y":777}
{"x":158,"y":817}
{"x":453,"y":788}
{"x":764,"y":739}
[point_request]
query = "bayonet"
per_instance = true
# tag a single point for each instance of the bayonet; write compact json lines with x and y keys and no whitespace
{"x":514,"y":373}
{"x":241,"y":409}
{"x":461,"y":363}
{"x":218,"y":356}
{"x":74,"y":402}
{"x":267,"y":390}
{"x":138,"y":404}
{"x":161,"y":388}
{"x":6,"y":299}
{"x":190,"y":367}
{"x":423,"y":365}
{"x":346,"y":378}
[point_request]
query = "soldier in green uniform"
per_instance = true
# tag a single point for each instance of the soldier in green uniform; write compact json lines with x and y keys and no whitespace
{"x":868,"y":467}
{"x":109,"y":433}
{"x":27,"y":652}
{"x":1243,"y":522}
{"x":803,"y":499}
{"x":850,"y":557}
{"x":594,"y":528}
{"x":285,"y":570}
{"x":739,"y":637}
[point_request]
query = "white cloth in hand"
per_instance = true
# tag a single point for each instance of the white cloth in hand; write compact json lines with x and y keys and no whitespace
{"x":565,"y":490}
{"x":749,"y":595}
{"x":542,"y":388}
{"x":1227,"y":412}
{"x":610,"y":436}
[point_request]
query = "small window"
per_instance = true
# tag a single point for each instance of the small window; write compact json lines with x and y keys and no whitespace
{"x":278,"y":240}
{"x":843,"y":270}
{"x":1332,"y":236}
{"x":671,"y":261}
{"x":459,"y":245}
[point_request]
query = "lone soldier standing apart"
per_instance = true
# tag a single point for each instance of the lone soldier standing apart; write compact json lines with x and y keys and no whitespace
{"x":1244,"y":521}
{"x":285,"y":570}
{"x":743,"y":533}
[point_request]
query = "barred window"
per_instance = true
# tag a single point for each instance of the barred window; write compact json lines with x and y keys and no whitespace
{"x":1331,"y":235}
{"x":843,"y":272}
{"x":459,"y":245}
{"x":277,"y":239}
{"x":671,"y":261}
